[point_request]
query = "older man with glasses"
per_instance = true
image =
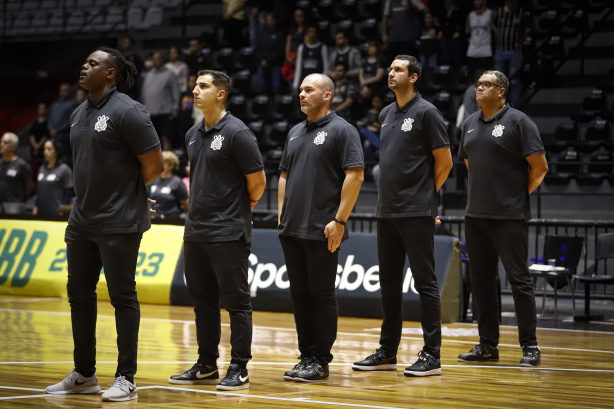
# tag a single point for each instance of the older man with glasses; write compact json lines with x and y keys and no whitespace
{"x":505,"y":158}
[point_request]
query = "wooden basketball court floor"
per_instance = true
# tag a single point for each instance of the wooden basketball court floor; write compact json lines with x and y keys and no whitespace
{"x":36,"y":350}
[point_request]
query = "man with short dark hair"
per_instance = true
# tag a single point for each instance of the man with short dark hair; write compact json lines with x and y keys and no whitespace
{"x":345,"y":55}
{"x":196,"y":59}
{"x":344,"y":94}
{"x":116,"y":153}
{"x":226,"y":181}
{"x":321,"y":174}
{"x":415,"y":161}
{"x":311,"y":57}
{"x":506,"y":162}
{"x":15,"y":174}
{"x":59,"y":118}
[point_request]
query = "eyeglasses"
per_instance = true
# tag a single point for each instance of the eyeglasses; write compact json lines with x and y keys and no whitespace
{"x":486,"y":85}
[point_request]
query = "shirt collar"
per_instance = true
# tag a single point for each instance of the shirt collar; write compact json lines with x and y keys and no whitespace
{"x":406,"y":107}
{"x":322,"y":121}
{"x":496,"y":117}
{"x":103,"y":100}
{"x":218,"y":126}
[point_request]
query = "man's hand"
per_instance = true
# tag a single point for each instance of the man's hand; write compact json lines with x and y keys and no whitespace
{"x":437,"y":220}
{"x":151,"y":201}
{"x":334,"y":233}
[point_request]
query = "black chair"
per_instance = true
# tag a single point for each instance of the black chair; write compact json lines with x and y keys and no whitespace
{"x":566,"y":252}
{"x":604,"y":251}
{"x":599,"y":168}
{"x":594,"y":104}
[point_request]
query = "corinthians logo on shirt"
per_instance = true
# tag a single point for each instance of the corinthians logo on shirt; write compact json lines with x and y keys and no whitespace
{"x":216,"y":145}
{"x":498,"y":131}
{"x":407,"y":124}
{"x":101,"y":125}
{"x":320,"y":137}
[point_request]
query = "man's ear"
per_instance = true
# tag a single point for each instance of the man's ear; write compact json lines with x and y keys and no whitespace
{"x":221,"y":94}
{"x":111,"y":73}
{"x":328,"y":95}
{"x":413,"y":78}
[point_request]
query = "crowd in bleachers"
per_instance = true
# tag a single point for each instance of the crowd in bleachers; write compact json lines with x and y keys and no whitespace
{"x":268,"y":46}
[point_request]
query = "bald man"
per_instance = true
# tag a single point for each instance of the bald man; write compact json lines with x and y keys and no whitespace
{"x":321,"y":174}
{"x":15,"y":175}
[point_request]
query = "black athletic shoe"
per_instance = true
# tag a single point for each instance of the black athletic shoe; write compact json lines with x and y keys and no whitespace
{"x":377,"y":361}
{"x":236,"y":378}
{"x":426,"y":365}
{"x":197,"y":375}
{"x":531,"y":356}
{"x":289,"y":375}
{"x":481,"y":353}
{"x":312,"y":372}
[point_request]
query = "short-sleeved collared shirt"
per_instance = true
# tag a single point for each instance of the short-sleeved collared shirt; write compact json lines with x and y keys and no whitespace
{"x":107,"y":136}
{"x":220,"y":158}
{"x":168,"y":194}
{"x":409,"y":135}
{"x":51,"y":187}
{"x":14,"y":176}
{"x":316,"y":156}
{"x":496,"y":150}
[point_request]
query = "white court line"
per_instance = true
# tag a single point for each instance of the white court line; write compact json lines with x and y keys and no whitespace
{"x":288,"y":364}
{"x":22,"y":389}
{"x":456,"y":341}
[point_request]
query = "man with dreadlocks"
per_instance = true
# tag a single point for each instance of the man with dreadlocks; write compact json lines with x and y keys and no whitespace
{"x":116,"y":152}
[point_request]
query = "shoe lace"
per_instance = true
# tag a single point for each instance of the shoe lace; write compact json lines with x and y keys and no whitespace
{"x":120,"y":381}
{"x":196,"y":367}
{"x":71,"y":376}
{"x":423,"y":355}
{"x":232,"y":371}
{"x":531,"y":352}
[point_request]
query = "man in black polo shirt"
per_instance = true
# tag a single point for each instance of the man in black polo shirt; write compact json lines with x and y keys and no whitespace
{"x":415,"y":161}
{"x":226,"y":181}
{"x":116,"y":152}
{"x":15,"y":175}
{"x":505,"y":160}
{"x":321,"y":174}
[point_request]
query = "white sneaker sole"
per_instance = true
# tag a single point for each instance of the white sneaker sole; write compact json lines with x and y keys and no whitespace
{"x":232,"y":388}
{"x":432,"y":372}
{"x":195,"y":382}
{"x":387,"y":367}
{"x":309,"y":380}
{"x":88,"y":390}
{"x":125,"y":398}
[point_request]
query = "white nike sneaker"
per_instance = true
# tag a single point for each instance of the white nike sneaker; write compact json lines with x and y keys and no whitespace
{"x":236,"y":378}
{"x":121,"y":390}
{"x":74,"y":382}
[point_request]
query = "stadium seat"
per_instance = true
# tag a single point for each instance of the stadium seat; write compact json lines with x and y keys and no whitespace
{"x":599,"y":167}
{"x":597,"y":133}
{"x":152,"y":17}
{"x":224,"y":58}
{"x":245,"y":58}
{"x":592,"y":105}
{"x":40,"y":23}
{"x":238,"y":106}
{"x":144,"y":4}
{"x":366,"y":30}
{"x":56,"y":22}
{"x":242,"y":81}
{"x":549,"y":22}
{"x":12,"y":6}
{"x":575,"y":24}
{"x":31,"y":5}
{"x":562,"y":172}
{"x":260,"y":107}
{"x":48,"y":5}
{"x":369,"y":8}
{"x":565,"y":134}
{"x":554,"y":48}
{"x":75,"y":21}
{"x":94,"y":20}
{"x":21,"y":25}
{"x":103,"y":3}
{"x":115,"y":19}
{"x":286,"y":106}
{"x":84,"y":4}
{"x":279,"y":132}
{"x":443,"y":102}
{"x":442,"y":77}
{"x":135,"y":17}
{"x":258,"y":128}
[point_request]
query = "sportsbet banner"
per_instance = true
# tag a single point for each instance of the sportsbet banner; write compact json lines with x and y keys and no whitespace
{"x":33,"y":260}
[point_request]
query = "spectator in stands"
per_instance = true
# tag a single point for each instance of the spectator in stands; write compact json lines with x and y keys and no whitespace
{"x":480,"y":28}
{"x":54,"y":190}
{"x":186,"y":107}
{"x":401,"y":26}
{"x":15,"y":175}
{"x":513,"y":27}
{"x":321,"y":174}
{"x":452,"y":23}
{"x":415,"y":161}
{"x":169,"y":192}
{"x":312,"y":57}
{"x":346,"y":55}
{"x":344,"y":94}
{"x":127,"y":49}
{"x":369,"y":132}
{"x":196,"y":59}
{"x":372,"y":73}
{"x":59,"y":118}
{"x":295,"y":37}
{"x":429,"y":41}
{"x":505,"y":158}
{"x":178,"y":67}
{"x":161,"y":98}
{"x":258,"y":10}
{"x":116,"y":154}
{"x":234,"y":24}
{"x":269,"y":57}
{"x":39,"y":134}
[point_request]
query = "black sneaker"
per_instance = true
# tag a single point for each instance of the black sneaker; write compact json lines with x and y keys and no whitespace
{"x":289,"y":375}
{"x":481,"y":353}
{"x":197,"y":375}
{"x":531,"y":356}
{"x":377,"y":361}
{"x":236,"y":378}
{"x":426,"y":365}
{"x":312,"y":372}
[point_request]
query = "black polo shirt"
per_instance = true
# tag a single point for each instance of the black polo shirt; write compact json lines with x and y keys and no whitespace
{"x":316,"y":156}
{"x":14,"y":176}
{"x":219,"y":208}
{"x":409,"y":135}
{"x":168,"y":194}
{"x":51,"y":188}
{"x":107,"y":136}
{"x":498,"y":182}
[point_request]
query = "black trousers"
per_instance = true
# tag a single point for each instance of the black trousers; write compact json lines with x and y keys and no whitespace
{"x":216,"y":275}
{"x":86,"y":255}
{"x":312,"y":271}
{"x":414,"y":237}
{"x":487,"y":241}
